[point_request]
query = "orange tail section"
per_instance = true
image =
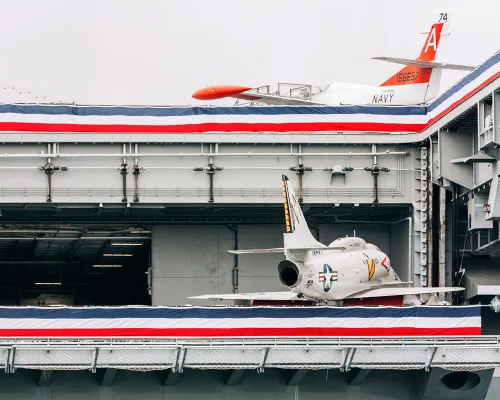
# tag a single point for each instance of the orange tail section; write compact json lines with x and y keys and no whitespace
{"x":412,"y":74}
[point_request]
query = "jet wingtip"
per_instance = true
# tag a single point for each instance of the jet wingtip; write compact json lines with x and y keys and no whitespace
{"x":205,"y":297}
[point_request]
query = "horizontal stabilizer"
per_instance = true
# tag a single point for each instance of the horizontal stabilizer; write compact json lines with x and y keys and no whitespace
{"x":396,"y":283}
{"x":396,"y":291}
{"x":277,"y":296}
{"x":282,"y":250}
{"x":425,"y":64}
{"x":258,"y":251}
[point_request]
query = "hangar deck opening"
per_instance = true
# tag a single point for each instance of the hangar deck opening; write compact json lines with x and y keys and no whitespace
{"x":84,"y":254}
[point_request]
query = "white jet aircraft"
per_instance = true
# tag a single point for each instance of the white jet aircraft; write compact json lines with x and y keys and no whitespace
{"x":348,"y":268}
{"x":417,"y":83}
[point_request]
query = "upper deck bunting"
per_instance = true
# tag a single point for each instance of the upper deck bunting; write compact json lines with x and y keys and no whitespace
{"x":265,"y":119}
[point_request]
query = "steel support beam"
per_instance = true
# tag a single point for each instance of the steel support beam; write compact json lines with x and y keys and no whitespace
{"x":356,"y":376}
{"x":108,"y":376}
{"x":349,"y":354}
{"x":172,"y":378}
{"x":297,"y":377}
{"x":235,"y":376}
{"x":45,"y":378}
{"x":430,"y":230}
{"x":424,"y":220}
{"x":265,"y":351}
{"x":442,"y":239}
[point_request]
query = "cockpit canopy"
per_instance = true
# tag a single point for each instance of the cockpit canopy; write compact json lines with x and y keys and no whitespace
{"x":372,"y":247}
{"x":353,"y":244}
{"x":350,"y":243}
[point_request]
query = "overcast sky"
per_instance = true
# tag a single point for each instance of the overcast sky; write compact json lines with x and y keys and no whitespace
{"x":160,"y":51}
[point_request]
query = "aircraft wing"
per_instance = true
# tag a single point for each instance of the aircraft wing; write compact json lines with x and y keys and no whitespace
{"x":249,"y":94}
{"x":276,"y":100}
{"x":398,"y":291}
{"x":288,"y":295}
{"x":258,"y":251}
{"x":277,"y":296}
{"x":296,"y":250}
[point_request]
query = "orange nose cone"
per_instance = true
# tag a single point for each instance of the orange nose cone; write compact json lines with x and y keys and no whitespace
{"x":218,"y":92}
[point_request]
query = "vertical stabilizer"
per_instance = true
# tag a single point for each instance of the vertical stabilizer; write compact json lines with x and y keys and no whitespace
{"x":424,"y":80}
{"x":297,"y":232}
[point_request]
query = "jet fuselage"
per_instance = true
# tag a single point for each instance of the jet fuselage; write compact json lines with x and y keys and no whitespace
{"x":333,"y":276}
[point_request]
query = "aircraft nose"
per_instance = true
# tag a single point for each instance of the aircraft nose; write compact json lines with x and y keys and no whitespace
{"x":218,"y":92}
{"x":205,"y":93}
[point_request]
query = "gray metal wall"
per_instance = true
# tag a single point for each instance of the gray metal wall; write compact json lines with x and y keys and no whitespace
{"x":193,"y":260}
{"x":246,"y":178}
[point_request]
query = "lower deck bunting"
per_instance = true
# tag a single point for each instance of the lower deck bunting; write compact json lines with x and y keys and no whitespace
{"x":235,"y":332}
{"x":185,"y":322}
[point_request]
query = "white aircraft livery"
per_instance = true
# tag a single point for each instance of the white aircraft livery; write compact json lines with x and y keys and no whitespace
{"x":417,"y":83}
{"x":348,"y":268}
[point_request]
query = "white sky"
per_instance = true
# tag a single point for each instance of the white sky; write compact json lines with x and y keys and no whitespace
{"x":161,"y":51}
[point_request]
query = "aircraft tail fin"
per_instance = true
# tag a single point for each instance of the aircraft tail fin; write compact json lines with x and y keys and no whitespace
{"x":297,"y":233}
{"x":298,"y":239}
{"x":423,"y":70}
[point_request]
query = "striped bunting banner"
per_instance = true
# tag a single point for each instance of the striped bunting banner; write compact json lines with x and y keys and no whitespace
{"x":181,"y":322}
{"x":271,"y":119}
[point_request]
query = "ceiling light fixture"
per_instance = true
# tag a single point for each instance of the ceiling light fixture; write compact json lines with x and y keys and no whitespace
{"x":127,"y":244}
{"x":106,"y":265}
{"x":48,"y":283}
{"x":117,"y":255}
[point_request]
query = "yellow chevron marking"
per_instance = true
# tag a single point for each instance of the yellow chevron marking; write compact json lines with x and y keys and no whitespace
{"x":371,"y":268}
{"x":287,"y":212}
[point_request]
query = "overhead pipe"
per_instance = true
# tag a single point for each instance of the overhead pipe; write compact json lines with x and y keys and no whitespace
{"x":73,"y":228}
{"x":211,"y":168}
{"x":248,"y":168}
{"x":124,"y":172}
{"x":49,"y":169}
{"x":235,"y":270}
{"x":211,"y":172}
{"x":74,"y":238}
{"x":37,"y":231}
{"x":115,"y":168}
{"x":300,"y":169}
{"x":62,"y":230}
{"x":136,"y":172}
{"x":40,"y":262}
{"x":223,"y":168}
{"x":300,"y":172}
{"x":210,"y":154}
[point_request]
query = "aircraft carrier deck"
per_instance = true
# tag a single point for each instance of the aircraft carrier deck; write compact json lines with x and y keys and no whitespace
{"x":139,"y":205}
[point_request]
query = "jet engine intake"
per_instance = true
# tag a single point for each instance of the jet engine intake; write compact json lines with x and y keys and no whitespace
{"x":288,"y":273}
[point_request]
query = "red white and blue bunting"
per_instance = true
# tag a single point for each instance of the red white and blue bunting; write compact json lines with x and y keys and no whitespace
{"x":183,"y":322}
{"x":268,"y":119}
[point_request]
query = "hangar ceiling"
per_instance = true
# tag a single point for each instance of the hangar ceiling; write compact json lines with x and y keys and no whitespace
{"x":145,"y":214}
